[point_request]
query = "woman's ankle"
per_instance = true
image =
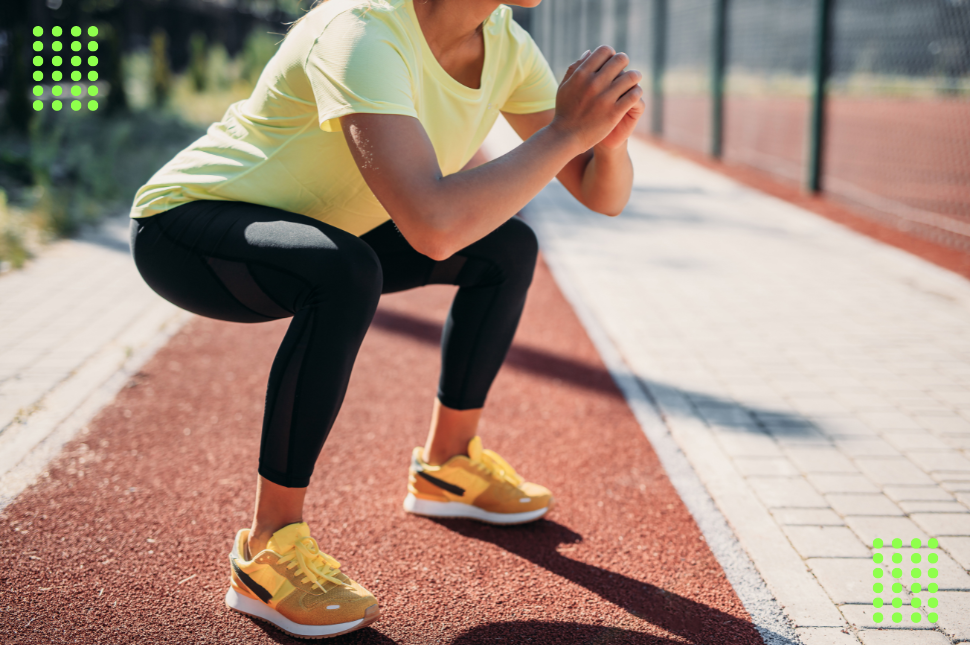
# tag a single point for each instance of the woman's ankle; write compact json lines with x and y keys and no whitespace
{"x":257,"y":542}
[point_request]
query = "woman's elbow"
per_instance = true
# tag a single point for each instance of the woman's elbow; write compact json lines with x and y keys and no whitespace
{"x":429,"y":240}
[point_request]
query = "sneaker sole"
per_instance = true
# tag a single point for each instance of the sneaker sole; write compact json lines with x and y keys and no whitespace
{"x":256,"y":609}
{"x":428,"y":508}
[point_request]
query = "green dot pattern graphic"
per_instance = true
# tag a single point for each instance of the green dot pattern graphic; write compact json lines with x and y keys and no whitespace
{"x":906,"y":608}
{"x":76,"y":60}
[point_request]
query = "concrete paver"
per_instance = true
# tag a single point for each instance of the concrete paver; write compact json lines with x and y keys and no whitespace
{"x":826,"y":542}
{"x":846,"y":580}
{"x":899,"y":637}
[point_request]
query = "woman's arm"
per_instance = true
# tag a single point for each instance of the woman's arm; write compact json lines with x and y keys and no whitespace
{"x":441,"y":215}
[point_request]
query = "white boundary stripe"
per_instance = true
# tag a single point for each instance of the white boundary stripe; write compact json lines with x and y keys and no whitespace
{"x":767,"y":616}
{"x":26,"y":449}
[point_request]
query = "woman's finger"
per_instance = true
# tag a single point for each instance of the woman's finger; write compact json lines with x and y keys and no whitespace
{"x":596,"y":60}
{"x":622,"y":83}
{"x":630,"y":99}
{"x":611,"y":69}
{"x":572,"y":68}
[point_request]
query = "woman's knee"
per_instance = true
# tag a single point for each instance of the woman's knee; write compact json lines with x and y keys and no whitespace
{"x":353,"y":274}
{"x":514,"y":249}
{"x":521,"y":241}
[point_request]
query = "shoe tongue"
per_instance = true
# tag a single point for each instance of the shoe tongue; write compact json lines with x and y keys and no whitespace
{"x":284,"y":539}
{"x":475,"y":449}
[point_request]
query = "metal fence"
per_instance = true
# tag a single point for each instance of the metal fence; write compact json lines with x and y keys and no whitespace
{"x":866,"y":100}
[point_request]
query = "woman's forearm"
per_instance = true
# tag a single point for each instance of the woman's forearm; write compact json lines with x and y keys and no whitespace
{"x":608,"y":180}
{"x":464,"y":207}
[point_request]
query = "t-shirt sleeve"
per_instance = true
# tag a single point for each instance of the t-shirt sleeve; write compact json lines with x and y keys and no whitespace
{"x":536,"y":91}
{"x":357,"y":65}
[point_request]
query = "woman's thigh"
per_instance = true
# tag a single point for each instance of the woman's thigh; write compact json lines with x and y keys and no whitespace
{"x":249,"y":263}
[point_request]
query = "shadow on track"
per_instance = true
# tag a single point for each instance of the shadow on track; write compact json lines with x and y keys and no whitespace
{"x":538,"y":543}
{"x":726,"y":413}
{"x":519,"y":357}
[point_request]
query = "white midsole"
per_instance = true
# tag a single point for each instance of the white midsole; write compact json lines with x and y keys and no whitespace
{"x":239,"y":602}
{"x":418,"y":506}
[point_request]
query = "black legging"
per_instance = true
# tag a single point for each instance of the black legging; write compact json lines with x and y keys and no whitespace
{"x":246,"y":263}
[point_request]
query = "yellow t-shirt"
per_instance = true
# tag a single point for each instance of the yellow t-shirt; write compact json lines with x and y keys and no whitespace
{"x":283,"y":147}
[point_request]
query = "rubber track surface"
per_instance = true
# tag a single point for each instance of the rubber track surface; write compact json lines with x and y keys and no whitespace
{"x":125,"y":539}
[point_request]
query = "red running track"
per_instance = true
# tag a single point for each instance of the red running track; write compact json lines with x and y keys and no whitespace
{"x":125,"y":538}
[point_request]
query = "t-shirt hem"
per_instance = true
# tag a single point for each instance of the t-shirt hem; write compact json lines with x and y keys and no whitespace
{"x":529,"y":108}
{"x":327,"y":120}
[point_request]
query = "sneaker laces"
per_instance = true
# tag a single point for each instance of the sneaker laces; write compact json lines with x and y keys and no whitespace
{"x":499,"y":468}
{"x":314,"y":564}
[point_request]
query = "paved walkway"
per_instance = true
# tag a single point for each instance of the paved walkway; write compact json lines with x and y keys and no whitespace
{"x":818,"y":383}
{"x":73,"y":325}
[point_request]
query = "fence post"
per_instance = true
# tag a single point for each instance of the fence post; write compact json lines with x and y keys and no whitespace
{"x":718,"y":63}
{"x":820,"y":71}
{"x":658,"y":63}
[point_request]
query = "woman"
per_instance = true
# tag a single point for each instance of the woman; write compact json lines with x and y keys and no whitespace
{"x":346,"y":175}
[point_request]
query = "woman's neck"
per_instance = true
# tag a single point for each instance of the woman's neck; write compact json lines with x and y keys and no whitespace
{"x":450,"y":25}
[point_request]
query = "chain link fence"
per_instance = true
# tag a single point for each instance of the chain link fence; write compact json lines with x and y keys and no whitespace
{"x":865,"y":100}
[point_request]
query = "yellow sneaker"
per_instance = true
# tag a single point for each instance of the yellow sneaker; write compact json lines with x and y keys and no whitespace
{"x":296,"y":587}
{"x":482,"y":486}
